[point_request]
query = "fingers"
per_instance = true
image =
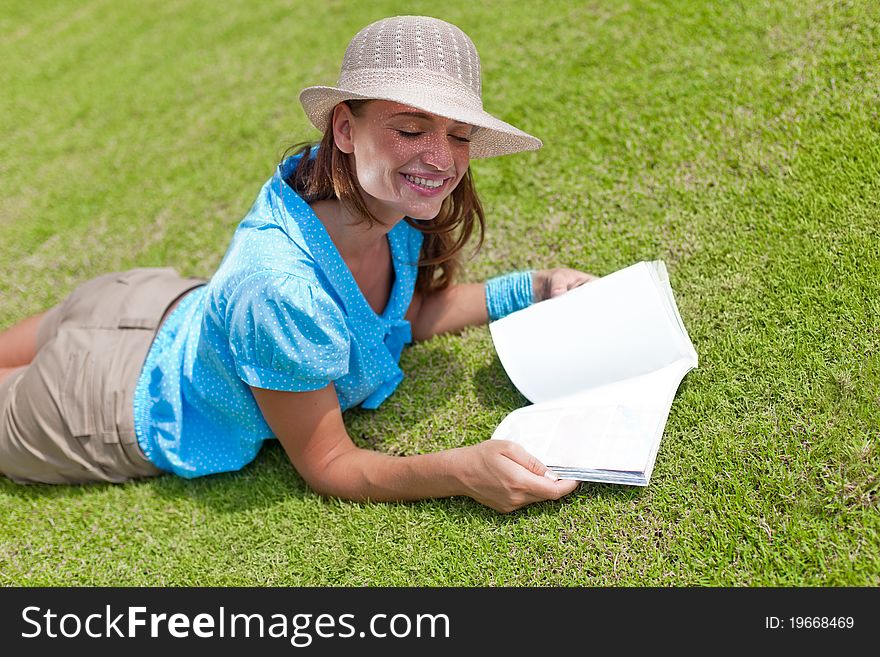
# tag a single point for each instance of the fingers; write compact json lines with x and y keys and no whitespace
{"x":542,"y":489}
{"x":563,"y":280}
{"x":558,"y":289}
{"x":508,"y":477}
{"x":517,"y":453}
{"x":544,"y":482}
{"x":558,"y":488}
{"x":566,"y":486}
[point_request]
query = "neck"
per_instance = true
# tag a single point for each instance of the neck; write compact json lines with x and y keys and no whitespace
{"x":354,"y":240}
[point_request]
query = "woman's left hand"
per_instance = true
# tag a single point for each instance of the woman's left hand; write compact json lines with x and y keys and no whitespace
{"x":548,"y":283}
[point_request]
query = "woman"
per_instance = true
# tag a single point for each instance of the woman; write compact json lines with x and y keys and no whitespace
{"x":349,"y":252}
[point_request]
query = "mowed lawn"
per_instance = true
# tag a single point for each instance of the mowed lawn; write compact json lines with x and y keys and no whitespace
{"x":738,"y":142}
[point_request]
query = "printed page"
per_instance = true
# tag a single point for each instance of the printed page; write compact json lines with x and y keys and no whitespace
{"x":616,"y":427}
{"x":617,"y":327}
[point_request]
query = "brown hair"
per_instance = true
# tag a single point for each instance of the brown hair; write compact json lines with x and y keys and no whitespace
{"x":328,"y":175}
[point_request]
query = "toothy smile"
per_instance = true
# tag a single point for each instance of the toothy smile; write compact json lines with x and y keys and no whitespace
{"x":424,"y":182}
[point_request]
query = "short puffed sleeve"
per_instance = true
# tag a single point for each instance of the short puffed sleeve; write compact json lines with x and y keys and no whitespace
{"x":286,"y":333}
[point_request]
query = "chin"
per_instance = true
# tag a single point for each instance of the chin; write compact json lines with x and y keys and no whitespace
{"x":426,"y":215}
{"x":425,"y":211}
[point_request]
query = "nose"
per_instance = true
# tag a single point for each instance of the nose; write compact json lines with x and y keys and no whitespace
{"x":438,"y":152}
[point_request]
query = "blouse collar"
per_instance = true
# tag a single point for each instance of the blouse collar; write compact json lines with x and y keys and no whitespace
{"x":332,"y":264}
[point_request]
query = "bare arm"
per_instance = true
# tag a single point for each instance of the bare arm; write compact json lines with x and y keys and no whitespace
{"x":458,"y":306}
{"x":447,"y":311}
{"x":309,"y":425}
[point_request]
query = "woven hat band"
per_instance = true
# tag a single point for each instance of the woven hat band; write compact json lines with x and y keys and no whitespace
{"x":422,"y":85}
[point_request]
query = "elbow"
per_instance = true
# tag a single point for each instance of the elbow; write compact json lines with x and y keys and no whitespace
{"x":422,"y":331}
{"x":335,"y":478}
{"x":329,"y":488}
{"x":420,"y":335}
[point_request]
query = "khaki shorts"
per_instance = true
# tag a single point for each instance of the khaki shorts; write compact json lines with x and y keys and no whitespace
{"x":68,"y":416}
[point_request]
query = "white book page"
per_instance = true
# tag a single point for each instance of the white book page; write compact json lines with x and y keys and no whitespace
{"x":617,"y":327}
{"x":661,"y":277}
{"x":613,"y":427}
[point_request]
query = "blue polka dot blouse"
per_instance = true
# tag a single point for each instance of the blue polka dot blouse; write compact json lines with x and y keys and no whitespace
{"x":283,"y":312}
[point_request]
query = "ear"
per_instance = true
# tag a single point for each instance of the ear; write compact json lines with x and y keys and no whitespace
{"x":341,"y":124}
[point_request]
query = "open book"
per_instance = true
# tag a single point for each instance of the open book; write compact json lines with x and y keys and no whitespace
{"x":601,"y":365}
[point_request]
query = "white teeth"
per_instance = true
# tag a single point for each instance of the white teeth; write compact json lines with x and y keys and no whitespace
{"x":432,"y":184}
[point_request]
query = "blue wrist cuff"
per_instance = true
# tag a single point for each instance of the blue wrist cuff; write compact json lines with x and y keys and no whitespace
{"x":508,"y":293}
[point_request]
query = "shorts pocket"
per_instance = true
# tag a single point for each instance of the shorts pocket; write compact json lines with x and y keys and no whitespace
{"x":85,"y":408}
{"x":78,"y":394}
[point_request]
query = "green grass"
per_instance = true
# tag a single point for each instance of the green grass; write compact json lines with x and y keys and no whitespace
{"x":737,"y":141}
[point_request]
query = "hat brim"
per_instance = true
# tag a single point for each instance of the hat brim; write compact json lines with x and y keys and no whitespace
{"x":493,"y":136}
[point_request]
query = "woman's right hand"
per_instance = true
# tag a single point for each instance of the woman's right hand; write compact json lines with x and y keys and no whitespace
{"x":505,"y":477}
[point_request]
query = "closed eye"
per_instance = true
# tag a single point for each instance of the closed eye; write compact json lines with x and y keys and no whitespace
{"x":413,"y":134}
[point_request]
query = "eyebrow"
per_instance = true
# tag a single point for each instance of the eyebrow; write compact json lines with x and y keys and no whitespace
{"x":428,"y":117}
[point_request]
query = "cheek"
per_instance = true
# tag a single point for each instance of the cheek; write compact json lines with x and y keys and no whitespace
{"x":381,"y":159}
{"x":397,"y":146}
{"x":462,"y":162}
{"x":380,"y":183}
{"x":389,"y":149}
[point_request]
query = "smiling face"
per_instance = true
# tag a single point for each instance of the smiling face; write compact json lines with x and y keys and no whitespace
{"x":406,"y":160}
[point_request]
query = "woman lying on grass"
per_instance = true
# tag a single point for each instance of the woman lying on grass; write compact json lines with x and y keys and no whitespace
{"x":348,"y":253}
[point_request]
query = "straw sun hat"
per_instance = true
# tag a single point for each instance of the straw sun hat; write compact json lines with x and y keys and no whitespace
{"x":424,"y":63}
